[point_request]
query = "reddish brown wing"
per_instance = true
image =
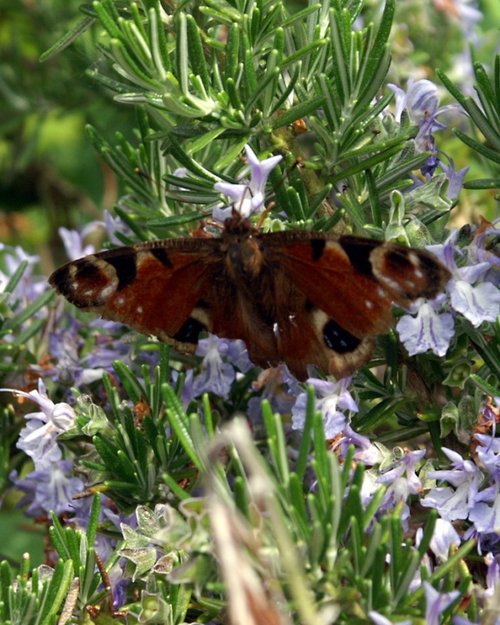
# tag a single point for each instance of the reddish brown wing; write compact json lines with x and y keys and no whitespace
{"x":345,"y":288}
{"x":302,"y":298}
{"x":355,"y":280}
{"x":174,"y":289}
{"x":152,"y":287}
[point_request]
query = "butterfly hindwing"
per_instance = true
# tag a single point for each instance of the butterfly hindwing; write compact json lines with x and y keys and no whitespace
{"x":310,"y":336}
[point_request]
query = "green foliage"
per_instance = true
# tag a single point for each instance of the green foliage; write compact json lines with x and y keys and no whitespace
{"x":342,"y":568}
{"x":36,"y":598}
{"x":202,"y":82}
{"x":484,"y":117}
{"x":352,"y":558}
{"x":200,"y":102}
{"x":49,"y":173}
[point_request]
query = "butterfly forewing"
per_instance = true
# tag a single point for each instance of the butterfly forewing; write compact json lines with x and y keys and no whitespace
{"x":152,"y":287}
{"x":321,"y":269}
{"x":344,"y":290}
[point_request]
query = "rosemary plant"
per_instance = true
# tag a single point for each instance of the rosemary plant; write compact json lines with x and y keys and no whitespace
{"x":198,"y":489}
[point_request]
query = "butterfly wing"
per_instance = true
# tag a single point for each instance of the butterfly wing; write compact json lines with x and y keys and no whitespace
{"x":298,"y":297}
{"x":348,"y":285}
{"x":174,"y":289}
{"x":156,"y":287}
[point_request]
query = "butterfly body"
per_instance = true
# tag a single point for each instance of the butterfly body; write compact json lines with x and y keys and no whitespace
{"x":295,"y":297}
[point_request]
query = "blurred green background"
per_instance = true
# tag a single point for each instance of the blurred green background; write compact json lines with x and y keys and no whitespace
{"x":50,"y":174}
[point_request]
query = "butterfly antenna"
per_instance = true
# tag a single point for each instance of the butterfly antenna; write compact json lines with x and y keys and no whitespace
{"x":264,"y":214}
{"x":247,"y":193}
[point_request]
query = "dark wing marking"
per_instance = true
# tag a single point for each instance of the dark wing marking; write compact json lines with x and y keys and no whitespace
{"x":152,"y":287}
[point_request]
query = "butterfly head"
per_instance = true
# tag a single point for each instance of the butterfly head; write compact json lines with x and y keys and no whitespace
{"x":238,"y":226}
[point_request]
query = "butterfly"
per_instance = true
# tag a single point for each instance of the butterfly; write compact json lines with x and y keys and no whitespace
{"x":298,"y":297}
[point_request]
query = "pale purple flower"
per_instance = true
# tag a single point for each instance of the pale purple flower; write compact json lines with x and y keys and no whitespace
{"x":119,"y":583}
{"x":247,"y":198}
{"x":444,"y":537}
{"x":109,"y":346}
{"x":454,"y":503}
{"x":404,"y":100}
{"x":67,"y":368}
{"x":428,"y":330}
{"x":488,"y":452}
{"x":485,"y":513}
{"x":401,"y":482}
{"x":114,"y":225}
{"x":369,"y":487}
{"x":28,"y":485}
{"x":492,"y":562}
{"x":402,"y":479}
{"x":421,"y":101}
{"x":13,"y":257}
{"x":366,"y":451}
{"x":236,"y":353}
{"x":462,"y":470}
{"x":39,"y":438}
{"x":187,"y":394}
{"x":73,"y":240}
{"x":333,"y":398}
{"x":476,"y":302}
{"x":28,"y":287}
{"x":455,"y":178}
{"x":49,"y":488}
{"x":436,"y":603}
{"x":467,"y":293}
{"x":72,"y":368}
{"x":64,"y":347}
{"x":216,"y":375}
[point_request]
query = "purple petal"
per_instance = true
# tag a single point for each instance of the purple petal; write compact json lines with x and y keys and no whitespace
{"x":428,"y":330}
{"x":476,"y":303}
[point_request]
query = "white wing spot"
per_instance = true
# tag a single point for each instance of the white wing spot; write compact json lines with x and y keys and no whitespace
{"x":108,"y":290}
{"x":414,"y":259}
{"x":368,"y":304}
{"x":391,"y":284}
{"x":320,"y":318}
